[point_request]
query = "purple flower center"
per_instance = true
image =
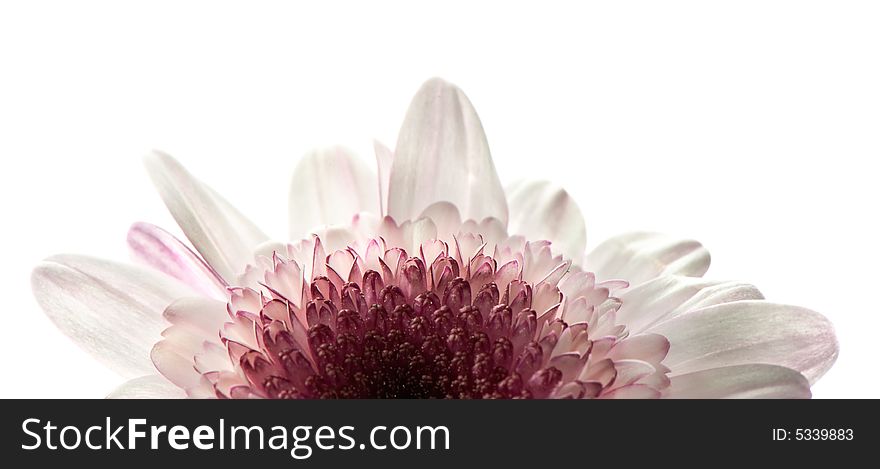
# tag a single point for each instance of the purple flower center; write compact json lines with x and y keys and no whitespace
{"x":377,"y":344}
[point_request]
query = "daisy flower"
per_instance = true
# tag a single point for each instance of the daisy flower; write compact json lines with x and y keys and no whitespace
{"x":423,"y":277}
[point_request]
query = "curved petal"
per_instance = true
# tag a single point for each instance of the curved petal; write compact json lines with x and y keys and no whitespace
{"x":632,"y":391}
{"x":651,"y":348}
{"x":160,"y":250}
{"x":446,"y":217}
{"x":170,"y":359}
{"x":541,"y":210}
{"x":203,"y":314}
{"x":330,"y":185}
{"x":491,"y":230}
{"x":442,"y":156}
{"x":112,"y":310}
{"x":639,"y":257}
{"x":753,"y":381}
{"x":668,"y":296}
{"x":746,"y":332}
{"x":384,"y":157}
{"x":219,"y":232}
{"x":147,"y":387}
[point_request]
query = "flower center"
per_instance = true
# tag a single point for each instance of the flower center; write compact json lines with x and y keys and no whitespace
{"x":457,"y":345}
{"x":375,"y":322}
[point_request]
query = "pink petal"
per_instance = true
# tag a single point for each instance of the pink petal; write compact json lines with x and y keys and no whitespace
{"x":157,"y":248}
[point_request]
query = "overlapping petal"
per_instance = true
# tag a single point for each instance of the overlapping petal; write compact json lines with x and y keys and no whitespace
{"x":442,"y":156}
{"x":330,"y":185}
{"x":384,"y":157}
{"x":749,"y":331}
{"x":218,"y":231}
{"x":160,"y":250}
{"x":639,"y":257}
{"x":419,"y":245}
{"x":668,"y":296}
{"x":112,"y":310}
{"x":543,"y":210}
{"x":147,"y":387}
{"x":750,"y":381}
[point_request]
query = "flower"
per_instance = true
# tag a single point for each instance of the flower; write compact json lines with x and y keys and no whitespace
{"x":423,"y":278}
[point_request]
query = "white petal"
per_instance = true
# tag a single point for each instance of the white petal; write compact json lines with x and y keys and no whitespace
{"x":491,"y":229}
{"x":173,"y":361}
{"x":442,"y":156}
{"x":160,"y":250}
{"x":417,"y":232}
{"x":746,"y":332}
{"x":384,"y":157}
{"x":219,"y":232}
{"x":630,"y":371}
{"x":668,"y":296}
{"x":632,"y":391}
{"x":541,"y":210}
{"x":147,"y":387}
{"x":651,"y":348}
{"x":203,"y":314}
{"x":754,"y":381}
{"x":639,"y":257}
{"x":112,"y":310}
{"x":330,"y":185}
{"x":188,"y":341}
{"x":336,"y":237}
{"x":212,"y":357}
{"x":445,"y":217}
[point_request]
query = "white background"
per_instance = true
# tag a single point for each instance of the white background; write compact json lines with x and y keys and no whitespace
{"x":750,"y":125}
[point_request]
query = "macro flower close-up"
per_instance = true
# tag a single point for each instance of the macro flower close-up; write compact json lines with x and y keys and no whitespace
{"x":422,"y":276}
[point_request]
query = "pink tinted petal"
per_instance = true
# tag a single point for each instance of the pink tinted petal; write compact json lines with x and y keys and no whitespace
{"x":157,"y":248}
{"x":218,"y":231}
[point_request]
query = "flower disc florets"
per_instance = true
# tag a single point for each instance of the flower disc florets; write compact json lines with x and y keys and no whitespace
{"x":451,"y":323}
